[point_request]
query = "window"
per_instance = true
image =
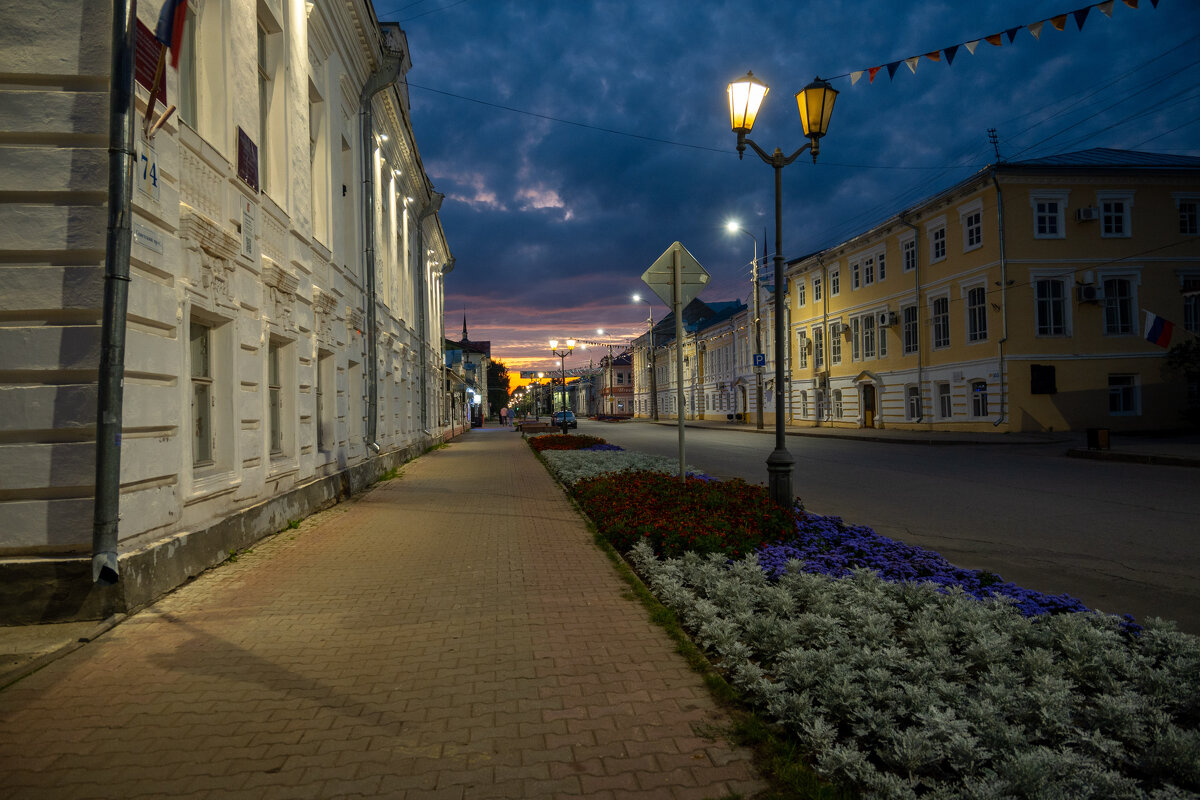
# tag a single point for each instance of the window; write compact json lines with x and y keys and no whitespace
{"x":803,"y":404}
{"x":837,"y":403}
{"x":1191,"y":303}
{"x":819,"y":347}
{"x":882,"y":341}
{"x":945,"y":403}
{"x":835,"y":349}
{"x":326,"y":402}
{"x":1123,"y":396}
{"x":912,"y":403}
{"x":868,"y":336}
{"x":937,"y":243}
{"x":979,"y":399}
{"x":1050,"y":298}
{"x":200,"y":350}
{"x":816,"y":288}
{"x":941,"y":322}
{"x":882,"y":267}
{"x":801,"y":349}
{"x":1118,"y":306}
{"x":908,"y":253}
{"x":970,"y":216}
{"x":620,"y":378}
{"x":976,"y":314}
{"x":855,"y":339}
{"x":318,"y":163}
{"x":855,"y":276}
{"x":800,"y":287}
{"x":909,"y":322}
{"x":1114,"y":215}
{"x":272,"y":103}
{"x":1189,"y":217}
{"x":835,"y":283}
{"x":274,"y":400}
{"x":868,"y":270}
{"x":1049,"y":208}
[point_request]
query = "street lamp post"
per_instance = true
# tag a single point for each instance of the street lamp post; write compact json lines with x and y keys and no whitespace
{"x":562,"y":360}
{"x":650,"y":355}
{"x":815,"y":103}
{"x":537,"y":403}
{"x":733,"y":227}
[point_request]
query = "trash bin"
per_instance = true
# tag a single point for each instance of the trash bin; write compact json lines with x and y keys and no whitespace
{"x":1097,"y":438}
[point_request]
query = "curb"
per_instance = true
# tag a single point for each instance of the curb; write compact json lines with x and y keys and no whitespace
{"x":869,"y":437}
{"x":29,"y":667}
{"x":1134,"y":458}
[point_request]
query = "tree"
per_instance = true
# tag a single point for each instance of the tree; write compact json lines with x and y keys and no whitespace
{"x":497,"y":382}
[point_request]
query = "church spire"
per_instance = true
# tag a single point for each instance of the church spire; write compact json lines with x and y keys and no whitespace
{"x":464,"y":338}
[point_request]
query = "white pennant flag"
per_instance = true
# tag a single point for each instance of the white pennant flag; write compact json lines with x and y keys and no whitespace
{"x":1106,"y":8}
{"x":912,"y":63}
{"x":971,"y":46}
{"x":854,"y":76}
{"x":1036,"y":29}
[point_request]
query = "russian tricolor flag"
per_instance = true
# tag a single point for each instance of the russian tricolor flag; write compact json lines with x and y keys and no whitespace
{"x":170,"y":27}
{"x":1158,"y":330}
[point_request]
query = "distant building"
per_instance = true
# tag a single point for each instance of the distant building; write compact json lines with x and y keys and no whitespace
{"x":1014,"y":300}
{"x":616,"y":385}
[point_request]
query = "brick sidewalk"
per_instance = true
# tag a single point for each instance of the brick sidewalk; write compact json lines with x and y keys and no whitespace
{"x":452,"y":634}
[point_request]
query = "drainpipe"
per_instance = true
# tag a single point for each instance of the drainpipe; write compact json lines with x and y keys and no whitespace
{"x":917,"y":288}
{"x":1003,"y":301}
{"x":430,"y":209}
{"x":384,"y":76}
{"x":826,"y":345}
{"x":110,"y":388}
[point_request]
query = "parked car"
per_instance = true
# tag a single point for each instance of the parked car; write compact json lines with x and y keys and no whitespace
{"x":571,"y":421}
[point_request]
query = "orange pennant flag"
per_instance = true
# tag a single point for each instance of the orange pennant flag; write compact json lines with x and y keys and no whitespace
{"x":936,"y":55}
{"x":871,"y":73}
{"x":1060,"y":21}
{"x":995,"y":39}
{"x":1130,"y":3}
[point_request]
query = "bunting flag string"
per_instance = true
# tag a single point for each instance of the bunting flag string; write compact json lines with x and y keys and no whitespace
{"x":1058,"y":22}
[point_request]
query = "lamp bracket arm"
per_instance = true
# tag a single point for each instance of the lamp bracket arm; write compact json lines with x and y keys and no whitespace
{"x":761,"y":153}
{"x":795,"y":155}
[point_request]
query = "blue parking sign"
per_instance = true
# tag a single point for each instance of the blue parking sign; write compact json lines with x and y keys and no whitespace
{"x":760,"y":359}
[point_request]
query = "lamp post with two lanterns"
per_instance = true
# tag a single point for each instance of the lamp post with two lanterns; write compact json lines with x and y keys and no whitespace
{"x":815,"y":103}
{"x":562,"y":360}
{"x":637,"y":298}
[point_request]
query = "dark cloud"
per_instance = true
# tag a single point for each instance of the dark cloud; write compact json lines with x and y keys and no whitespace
{"x":553,"y":223}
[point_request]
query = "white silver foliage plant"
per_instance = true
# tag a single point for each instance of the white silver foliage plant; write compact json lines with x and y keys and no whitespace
{"x":904,"y":691}
{"x":572,"y":466}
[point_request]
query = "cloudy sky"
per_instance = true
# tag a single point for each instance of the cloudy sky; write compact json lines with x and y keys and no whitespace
{"x":575,"y":141}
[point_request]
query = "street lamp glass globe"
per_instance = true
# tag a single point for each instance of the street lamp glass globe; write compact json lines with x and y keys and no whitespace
{"x":745,"y":97}
{"x":816,"y":107}
{"x":570,"y":344}
{"x":554,"y":344}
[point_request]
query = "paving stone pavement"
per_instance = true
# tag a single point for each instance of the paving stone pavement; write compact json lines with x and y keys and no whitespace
{"x":453,"y":633}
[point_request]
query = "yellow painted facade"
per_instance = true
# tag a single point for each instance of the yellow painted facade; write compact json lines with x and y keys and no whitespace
{"x":1014,"y":301}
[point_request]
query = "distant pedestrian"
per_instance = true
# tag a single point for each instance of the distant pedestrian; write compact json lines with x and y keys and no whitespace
{"x":504,"y":416}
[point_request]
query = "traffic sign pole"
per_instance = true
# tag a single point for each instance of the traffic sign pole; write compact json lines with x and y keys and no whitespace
{"x":677,"y":296}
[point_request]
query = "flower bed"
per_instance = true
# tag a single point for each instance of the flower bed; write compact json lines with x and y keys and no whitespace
{"x":900,"y":690}
{"x":570,"y":467}
{"x":568,"y":441}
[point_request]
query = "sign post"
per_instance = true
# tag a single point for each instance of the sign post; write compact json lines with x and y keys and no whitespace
{"x":677,"y":277}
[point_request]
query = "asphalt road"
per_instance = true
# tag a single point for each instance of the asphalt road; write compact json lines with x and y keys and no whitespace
{"x":1123,"y":538}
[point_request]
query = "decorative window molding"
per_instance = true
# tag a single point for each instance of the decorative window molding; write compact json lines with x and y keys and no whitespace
{"x":1116,"y":214}
{"x":970,"y":217}
{"x":1049,"y":212}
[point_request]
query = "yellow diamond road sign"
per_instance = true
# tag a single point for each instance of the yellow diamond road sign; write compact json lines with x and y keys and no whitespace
{"x":661,"y":275}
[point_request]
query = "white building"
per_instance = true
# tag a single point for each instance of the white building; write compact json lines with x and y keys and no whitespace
{"x":283,"y":339}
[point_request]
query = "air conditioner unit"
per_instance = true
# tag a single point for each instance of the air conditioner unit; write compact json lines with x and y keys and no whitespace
{"x":835,"y":328}
{"x":1089,"y":293}
{"x":1087,"y":213}
{"x":803,"y":340}
{"x":886,"y":319}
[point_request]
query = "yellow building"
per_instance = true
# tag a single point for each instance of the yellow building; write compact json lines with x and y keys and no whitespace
{"x":1012,"y":301}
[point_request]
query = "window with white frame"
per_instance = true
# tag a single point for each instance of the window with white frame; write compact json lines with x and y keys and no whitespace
{"x":837,"y":404}
{"x":326,"y":398}
{"x":1051,"y":304}
{"x":936,"y":231}
{"x":862,"y":337}
{"x":816,"y":288}
{"x":868,"y":270}
{"x":912,"y":403}
{"x":1115,"y":221}
{"x":880,"y":262}
{"x":855,"y":274}
{"x":976,"y":314}
{"x":945,"y":401}
{"x":911,"y":333}
{"x":1119,"y":304}
{"x":318,"y":163}
{"x":279,"y":397}
{"x":1189,"y":214}
{"x":1124,"y":396}
{"x":979,"y":398}
{"x":803,"y":403}
{"x":801,"y":285}
{"x":201,"y":368}
{"x":940,"y":316}
{"x":835,"y":282}
{"x":1049,"y":208}
{"x":272,"y":105}
{"x":835,"y":350}
{"x":855,"y":339}
{"x":819,"y":346}
{"x":908,"y":253}
{"x":971,"y":218}
{"x":1190,"y":286}
{"x":802,"y":349}
{"x":882,"y":338}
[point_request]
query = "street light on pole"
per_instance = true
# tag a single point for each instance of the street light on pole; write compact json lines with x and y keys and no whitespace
{"x":537,"y":403}
{"x":733,"y":227}
{"x":562,"y":360}
{"x":815,"y":103}
{"x":650,"y":355}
